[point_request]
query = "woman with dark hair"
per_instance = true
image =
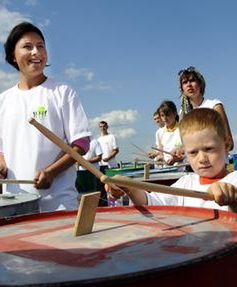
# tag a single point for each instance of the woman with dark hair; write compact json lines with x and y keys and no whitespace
{"x":168,"y":137}
{"x":27,"y":154}
{"x":192,"y":86}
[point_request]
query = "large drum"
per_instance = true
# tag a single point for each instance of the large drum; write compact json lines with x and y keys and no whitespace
{"x":147,"y":246}
{"x":18,"y":204}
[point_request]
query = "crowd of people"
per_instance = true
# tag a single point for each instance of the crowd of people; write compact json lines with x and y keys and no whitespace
{"x":203,"y":135}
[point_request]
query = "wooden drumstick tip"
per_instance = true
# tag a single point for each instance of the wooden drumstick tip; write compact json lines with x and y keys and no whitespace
{"x":31,"y":120}
{"x":104,"y":179}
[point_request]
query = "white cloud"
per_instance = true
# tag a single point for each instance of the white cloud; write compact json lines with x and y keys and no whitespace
{"x":123,"y":133}
{"x":74,"y":73}
{"x":8,"y":19}
{"x":116,"y":118}
{"x":44,"y":23}
{"x":99,"y":86}
{"x":7,"y":80}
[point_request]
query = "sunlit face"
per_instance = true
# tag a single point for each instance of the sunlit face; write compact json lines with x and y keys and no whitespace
{"x":206,"y":152}
{"x":30,"y":55}
{"x":103,"y":127}
{"x":191,"y":88}
{"x":168,"y":118}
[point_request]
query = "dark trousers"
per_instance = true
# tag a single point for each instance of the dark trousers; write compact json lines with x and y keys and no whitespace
{"x":86,"y":181}
{"x":101,"y":187}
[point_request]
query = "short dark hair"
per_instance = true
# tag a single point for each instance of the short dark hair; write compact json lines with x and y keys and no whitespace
{"x":14,"y":36}
{"x":103,"y":123}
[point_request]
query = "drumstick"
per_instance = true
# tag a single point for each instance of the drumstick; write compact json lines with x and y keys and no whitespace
{"x":15,"y":181}
{"x":119,"y":180}
{"x":161,"y":150}
{"x":143,"y":151}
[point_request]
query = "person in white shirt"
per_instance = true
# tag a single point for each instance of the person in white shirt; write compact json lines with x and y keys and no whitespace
{"x":26,"y":153}
{"x":152,"y":153}
{"x":168,"y":137}
{"x":86,"y":181}
{"x":110,"y":149}
{"x":192,"y":86}
{"x":206,"y":145}
{"x":109,"y":146}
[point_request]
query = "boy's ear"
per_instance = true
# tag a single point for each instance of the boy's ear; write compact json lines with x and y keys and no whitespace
{"x":227,"y":144}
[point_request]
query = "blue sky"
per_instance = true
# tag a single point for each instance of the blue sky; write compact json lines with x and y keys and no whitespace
{"x":122,"y":56}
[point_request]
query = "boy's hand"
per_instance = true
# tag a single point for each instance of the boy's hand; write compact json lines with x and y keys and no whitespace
{"x":114,"y":190}
{"x":224,"y":193}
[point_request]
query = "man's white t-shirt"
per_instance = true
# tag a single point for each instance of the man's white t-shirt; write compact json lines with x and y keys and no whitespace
{"x":26,"y":150}
{"x":94,"y":151}
{"x":108,"y":144}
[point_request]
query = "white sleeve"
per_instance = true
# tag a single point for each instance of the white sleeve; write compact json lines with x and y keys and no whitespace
{"x":157,"y":138}
{"x":160,"y":133}
{"x":155,"y":198}
{"x":98,"y":150}
{"x":74,"y":118}
{"x":114,"y":142}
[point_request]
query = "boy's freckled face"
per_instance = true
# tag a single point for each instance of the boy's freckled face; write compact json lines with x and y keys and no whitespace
{"x":206,"y":152}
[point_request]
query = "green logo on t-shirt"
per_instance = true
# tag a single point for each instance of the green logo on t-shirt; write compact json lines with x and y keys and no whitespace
{"x":40,"y":113}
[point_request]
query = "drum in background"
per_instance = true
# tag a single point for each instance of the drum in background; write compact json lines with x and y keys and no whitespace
{"x":146,"y":246}
{"x":18,"y":204}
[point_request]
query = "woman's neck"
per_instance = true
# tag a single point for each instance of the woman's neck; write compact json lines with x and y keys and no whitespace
{"x":172,"y":127}
{"x":197,"y":101}
{"x":29,"y":83}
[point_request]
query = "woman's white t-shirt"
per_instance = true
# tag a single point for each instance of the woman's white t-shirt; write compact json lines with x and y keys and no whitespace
{"x":26,"y":150}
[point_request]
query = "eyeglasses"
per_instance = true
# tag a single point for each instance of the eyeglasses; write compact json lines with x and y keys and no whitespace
{"x":103,"y":126}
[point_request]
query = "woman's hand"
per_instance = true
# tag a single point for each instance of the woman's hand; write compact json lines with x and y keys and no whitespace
{"x":152,"y":154}
{"x":3,"y":167}
{"x":43,"y":179}
{"x":177,"y":156}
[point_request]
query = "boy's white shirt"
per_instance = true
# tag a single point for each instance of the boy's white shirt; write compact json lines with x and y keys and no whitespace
{"x":190,"y":181}
{"x":26,"y":150}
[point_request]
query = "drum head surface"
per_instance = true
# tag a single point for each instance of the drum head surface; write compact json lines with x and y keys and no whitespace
{"x":125,"y":242}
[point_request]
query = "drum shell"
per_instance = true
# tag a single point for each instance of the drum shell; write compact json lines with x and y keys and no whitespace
{"x":20,"y":204}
